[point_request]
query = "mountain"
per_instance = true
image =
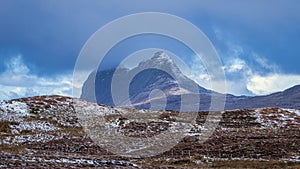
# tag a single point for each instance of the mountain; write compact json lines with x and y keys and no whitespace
{"x":48,"y":132}
{"x":161,"y":73}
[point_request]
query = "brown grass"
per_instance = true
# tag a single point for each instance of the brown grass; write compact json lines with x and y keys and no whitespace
{"x":13,"y":149}
{"x":5,"y":126}
{"x":230,"y":164}
{"x":24,"y":132}
{"x":254,"y":164}
{"x":166,"y":116}
{"x":112,"y":117}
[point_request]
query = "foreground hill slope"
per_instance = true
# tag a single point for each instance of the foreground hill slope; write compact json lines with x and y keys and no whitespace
{"x":44,"y":132}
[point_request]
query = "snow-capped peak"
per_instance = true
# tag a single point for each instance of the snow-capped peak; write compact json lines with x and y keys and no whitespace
{"x":161,"y":60}
{"x":162,"y":57}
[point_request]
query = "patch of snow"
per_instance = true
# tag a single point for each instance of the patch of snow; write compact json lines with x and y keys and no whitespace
{"x":93,"y":162}
{"x":35,"y":126}
{"x":198,"y":162}
{"x":86,"y":108}
{"x":192,"y":134}
{"x":270,"y":117}
{"x":291,"y":159}
{"x":13,"y":111}
{"x":38,"y":138}
{"x":297,"y":112}
{"x":7,"y":140}
{"x":15,"y":131}
{"x":116,"y":123}
{"x":258,"y":116}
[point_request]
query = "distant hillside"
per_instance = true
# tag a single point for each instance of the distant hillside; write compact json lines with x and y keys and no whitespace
{"x":289,"y":98}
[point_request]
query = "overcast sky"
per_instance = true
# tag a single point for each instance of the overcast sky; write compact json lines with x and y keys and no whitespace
{"x":257,"y":41}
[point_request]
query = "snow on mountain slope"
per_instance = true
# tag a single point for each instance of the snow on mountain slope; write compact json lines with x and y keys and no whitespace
{"x":162,"y":60}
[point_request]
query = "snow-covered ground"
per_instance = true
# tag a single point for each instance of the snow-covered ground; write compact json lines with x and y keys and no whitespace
{"x":13,"y":111}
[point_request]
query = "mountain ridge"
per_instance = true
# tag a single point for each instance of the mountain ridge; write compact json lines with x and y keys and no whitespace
{"x":161,"y":73}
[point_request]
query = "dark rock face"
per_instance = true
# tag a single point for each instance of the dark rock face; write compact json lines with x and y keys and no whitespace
{"x":161,"y":73}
